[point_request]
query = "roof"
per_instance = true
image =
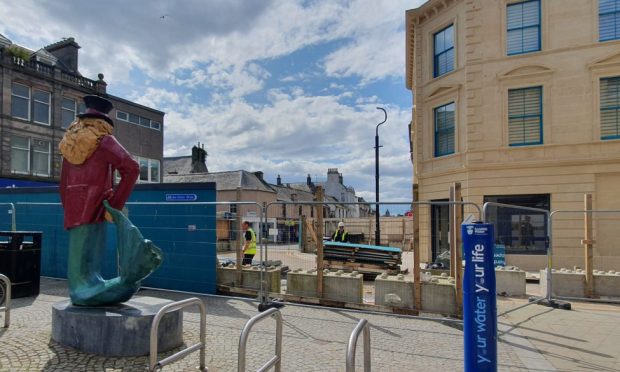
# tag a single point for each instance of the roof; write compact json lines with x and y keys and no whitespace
{"x":285,"y":193}
{"x":178,"y":165}
{"x":230,"y":180}
{"x":62,"y":44}
{"x":4,"y":41}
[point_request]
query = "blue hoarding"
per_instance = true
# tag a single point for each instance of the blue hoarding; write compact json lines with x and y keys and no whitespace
{"x":479,"y":302}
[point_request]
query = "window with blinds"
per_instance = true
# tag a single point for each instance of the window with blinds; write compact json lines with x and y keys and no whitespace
{"x":523,"y":27}
{"x":443,"y":46}
{"x":444,"y":129}
{"x":525,"y":121}
{"x":610,"y":108}
{"x":608,"y":20}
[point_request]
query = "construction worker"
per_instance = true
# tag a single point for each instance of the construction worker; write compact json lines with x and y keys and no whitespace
{"x":249,"y":247}
{"x":341,"y":235}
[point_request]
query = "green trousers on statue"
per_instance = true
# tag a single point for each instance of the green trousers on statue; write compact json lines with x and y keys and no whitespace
{"x":138,"y":258}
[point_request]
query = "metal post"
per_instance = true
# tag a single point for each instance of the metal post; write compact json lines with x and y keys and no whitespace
{"x":377,"y":213}
{"x":319,"y":242}
{"x":587,"y":244}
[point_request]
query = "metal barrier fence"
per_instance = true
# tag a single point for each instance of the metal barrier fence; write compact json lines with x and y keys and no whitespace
{"x":153,"y":363}
{"x":362,"y":326}
{"x":588,"y":264}
{"x":6,"y":300}
{"x":276,"y":361}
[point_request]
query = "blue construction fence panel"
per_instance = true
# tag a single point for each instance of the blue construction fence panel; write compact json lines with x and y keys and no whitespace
{"x":186,"y":233}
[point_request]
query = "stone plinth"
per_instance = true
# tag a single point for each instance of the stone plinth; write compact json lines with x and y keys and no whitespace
{"x":337,"y":286}
{"x":226,"y":275}
{"x":439,"y":296}
{"x":394,"y":290}
{"x":122,"y":330}
{"x":510,"y":281}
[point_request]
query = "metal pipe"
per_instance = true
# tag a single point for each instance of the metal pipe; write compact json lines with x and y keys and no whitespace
{"x":597,"y":300}
{"x":245,"y":333}
{"x":153,"y":364}
{"x":377,"y":214}
{"x":364,"y":326}
{"x":7,"y":304}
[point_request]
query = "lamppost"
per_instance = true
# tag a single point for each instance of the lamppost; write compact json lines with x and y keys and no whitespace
{"x":377,"y":214}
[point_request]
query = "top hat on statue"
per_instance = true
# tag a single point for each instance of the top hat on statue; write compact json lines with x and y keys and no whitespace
{"x":97,"y":107}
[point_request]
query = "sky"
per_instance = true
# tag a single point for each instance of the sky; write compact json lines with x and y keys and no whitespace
{"x":287,"y":87}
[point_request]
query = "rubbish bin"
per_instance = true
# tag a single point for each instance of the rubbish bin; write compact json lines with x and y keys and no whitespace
{"x":20,"y":261}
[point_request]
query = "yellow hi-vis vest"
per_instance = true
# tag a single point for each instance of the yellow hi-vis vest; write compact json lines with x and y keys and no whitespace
{"x":343,"y":237}
{"x":252,"y":246}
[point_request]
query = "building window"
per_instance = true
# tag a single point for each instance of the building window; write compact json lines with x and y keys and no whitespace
{"x":138,"y":120}
{"x":20,"y":101}
{"x":610,"y":108}
{"x":284,"y":210}
{"x":40,"y":158}
{"x":525,"y":121}
{"x":608,"y":20}
{"x":523,"y":27}
{"x":24,"y":149}
{"x":300,"y":210}
{"x":443,"y":46}
{"x":444,"y":129}
{"x":20,"y":155}
{"x":233,"y":208}
{"x":149,"y":170}
{"x":41,"y":109}
{"x":68,"y":111}
{"x":520,"y":231}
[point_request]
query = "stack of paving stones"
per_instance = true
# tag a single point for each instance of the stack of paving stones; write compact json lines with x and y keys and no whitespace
{"x":314,"y":339}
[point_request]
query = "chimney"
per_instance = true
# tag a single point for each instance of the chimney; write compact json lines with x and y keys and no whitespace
{"x":308,"y":180}
{"x":199,"y":160}
{"x":333,"y":177}
{"x":67,"y":53}
{"x":279,"y":181}
{"x":259,"y":174}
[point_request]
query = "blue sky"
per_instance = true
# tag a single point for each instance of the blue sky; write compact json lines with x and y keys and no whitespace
{"x":287,"y":87}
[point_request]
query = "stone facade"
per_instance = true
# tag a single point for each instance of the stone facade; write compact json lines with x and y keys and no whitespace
{"x":52,"y":73}
{"x":572,"y":158}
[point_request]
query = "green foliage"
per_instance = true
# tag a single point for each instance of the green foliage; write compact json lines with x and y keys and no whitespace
{"x":19,"y":52}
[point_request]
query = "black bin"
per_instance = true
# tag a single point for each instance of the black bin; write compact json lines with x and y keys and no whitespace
{"x":20,"y":261}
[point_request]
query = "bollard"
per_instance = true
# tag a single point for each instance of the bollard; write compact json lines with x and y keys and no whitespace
{"x":479,"y":302}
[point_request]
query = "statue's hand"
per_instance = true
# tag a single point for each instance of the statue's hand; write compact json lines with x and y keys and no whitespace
{"x":108,"y":216}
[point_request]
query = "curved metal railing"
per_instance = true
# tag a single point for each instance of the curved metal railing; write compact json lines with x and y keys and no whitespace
{"x":153,"y":363}
{"x":276,"y":361}
{"x":362,"y":326}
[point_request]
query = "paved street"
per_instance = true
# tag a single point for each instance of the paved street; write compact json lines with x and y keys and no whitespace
{"x":534,"y":338}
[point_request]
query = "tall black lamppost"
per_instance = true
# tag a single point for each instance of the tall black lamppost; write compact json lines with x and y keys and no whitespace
{"x":377,"y":214}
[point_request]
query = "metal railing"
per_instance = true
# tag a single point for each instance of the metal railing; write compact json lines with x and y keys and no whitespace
{"x":550,"y":296}
{"x":13,"y":221}
{"x":7,"y":300}
{"x":276,"y":361}
{"x":362,"y":326}
{"x":153,"y":363}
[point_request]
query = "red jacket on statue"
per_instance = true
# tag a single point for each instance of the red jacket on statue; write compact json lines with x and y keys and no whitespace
{"x":84,"y":186}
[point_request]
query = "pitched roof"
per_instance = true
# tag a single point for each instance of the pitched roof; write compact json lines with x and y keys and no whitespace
{"x":177,"y":165}
{"x":230,"y":180}
{"x":4,"y":41}
{"x":285,"y":193}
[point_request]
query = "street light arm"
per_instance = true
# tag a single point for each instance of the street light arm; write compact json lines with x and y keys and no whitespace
{"x":384,"y":120}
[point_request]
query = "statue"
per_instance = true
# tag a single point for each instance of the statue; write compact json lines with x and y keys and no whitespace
{"x":91,"y":155}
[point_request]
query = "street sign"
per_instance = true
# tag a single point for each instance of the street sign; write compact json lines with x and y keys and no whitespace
{"x":181,"y":197}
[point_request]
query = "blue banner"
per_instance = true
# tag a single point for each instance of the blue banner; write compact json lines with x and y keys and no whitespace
{"x":479,"y":303}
